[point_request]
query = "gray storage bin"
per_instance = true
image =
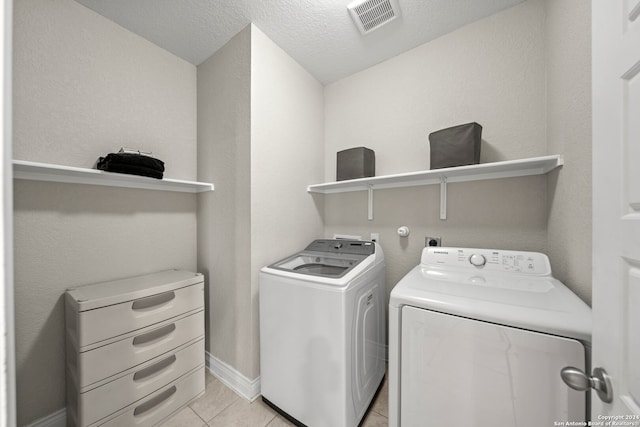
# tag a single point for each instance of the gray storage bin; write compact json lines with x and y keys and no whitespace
{"x":359,"y":162}
{"x":456,"y":146}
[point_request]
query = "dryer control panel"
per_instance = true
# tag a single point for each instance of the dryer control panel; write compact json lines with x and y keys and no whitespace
{"x":531,"y":263}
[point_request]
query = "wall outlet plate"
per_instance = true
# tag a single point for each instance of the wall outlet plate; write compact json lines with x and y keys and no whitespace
{"x":432,"y":241}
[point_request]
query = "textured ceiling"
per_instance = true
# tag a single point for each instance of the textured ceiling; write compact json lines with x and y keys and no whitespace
{"x":319,"y":34}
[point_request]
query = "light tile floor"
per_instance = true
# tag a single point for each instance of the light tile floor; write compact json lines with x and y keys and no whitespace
{"x":221,"y":407}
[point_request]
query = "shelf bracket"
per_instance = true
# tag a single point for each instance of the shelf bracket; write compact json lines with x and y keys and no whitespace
{"x":370,"y":203}
{"x":443,"y":197}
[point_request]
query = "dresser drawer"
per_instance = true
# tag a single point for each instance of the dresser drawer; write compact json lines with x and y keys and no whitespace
{"x":103,"y":323}
{"x":102,"y":362}
{"x":102,"y":401}
{"x":160,"y":404}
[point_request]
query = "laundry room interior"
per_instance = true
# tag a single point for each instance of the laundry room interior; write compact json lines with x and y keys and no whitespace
{"x":262,"y":128}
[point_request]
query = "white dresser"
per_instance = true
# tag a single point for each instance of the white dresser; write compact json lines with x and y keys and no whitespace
{"x":135,"y":349}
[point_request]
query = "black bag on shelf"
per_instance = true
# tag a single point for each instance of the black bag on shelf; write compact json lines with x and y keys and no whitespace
{"x":132,"y":164}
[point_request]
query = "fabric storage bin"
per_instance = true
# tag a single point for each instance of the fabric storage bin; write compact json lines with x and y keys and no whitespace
{"x":455,"y":146}
{"x":359,"y":162}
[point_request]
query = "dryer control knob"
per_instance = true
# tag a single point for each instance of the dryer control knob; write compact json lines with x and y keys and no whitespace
{"x":477,"y":260}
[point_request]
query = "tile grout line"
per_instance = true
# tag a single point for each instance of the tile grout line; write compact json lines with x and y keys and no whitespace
{"x":271,"y":420}
{"x":198,"y":415}
{"x":221,"y":411}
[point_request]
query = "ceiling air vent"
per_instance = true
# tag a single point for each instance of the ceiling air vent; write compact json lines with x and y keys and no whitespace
{"x":369,"y":15}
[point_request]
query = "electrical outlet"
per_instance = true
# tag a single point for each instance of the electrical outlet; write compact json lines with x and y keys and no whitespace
{"x":432,"y":241}
{"x":375,"y":237}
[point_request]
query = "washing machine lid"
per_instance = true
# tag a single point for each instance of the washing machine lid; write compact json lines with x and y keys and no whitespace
{"x":507,"y":287}
{"x":328,"y":258}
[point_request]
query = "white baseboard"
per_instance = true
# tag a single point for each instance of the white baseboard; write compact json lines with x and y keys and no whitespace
{"x":57,"y":419}
{"x":243,"y":386}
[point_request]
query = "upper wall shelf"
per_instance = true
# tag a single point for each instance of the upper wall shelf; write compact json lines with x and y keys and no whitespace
{"x":507,"y":169}
{"x":56,"y":173}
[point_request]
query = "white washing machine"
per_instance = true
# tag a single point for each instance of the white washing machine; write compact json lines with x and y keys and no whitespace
{"x":478,"y":337}
{"x":322,"y":332}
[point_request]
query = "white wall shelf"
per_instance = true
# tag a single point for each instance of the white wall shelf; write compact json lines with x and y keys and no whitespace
{"x":34,"y":171}
{"x":507,"y":169}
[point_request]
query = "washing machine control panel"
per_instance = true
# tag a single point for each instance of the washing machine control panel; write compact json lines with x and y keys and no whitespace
{"x":533,"y":263}
{"x":339,"y":246}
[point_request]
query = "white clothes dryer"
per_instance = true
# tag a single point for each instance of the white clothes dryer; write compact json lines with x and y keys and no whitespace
{"x":478,"y":337}
{"x":322,"y":332}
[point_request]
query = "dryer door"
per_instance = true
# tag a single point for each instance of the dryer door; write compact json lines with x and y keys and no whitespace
{"x":461,"y":372}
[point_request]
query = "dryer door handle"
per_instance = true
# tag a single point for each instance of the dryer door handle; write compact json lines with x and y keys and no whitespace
{"x":578,"y":380}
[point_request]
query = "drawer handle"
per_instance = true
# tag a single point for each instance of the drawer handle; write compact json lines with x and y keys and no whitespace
{"x":150,"y":370}
{"x":152,"y":403}
{"x":154,"y":335}
{"x":153,"y":301}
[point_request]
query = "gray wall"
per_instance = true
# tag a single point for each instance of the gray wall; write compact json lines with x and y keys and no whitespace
{"x":83,"y":87}
{"x":260,"y":134}
{"x":491,"y":71}
{"x":224,"y":233}
{"x":568,"y":58}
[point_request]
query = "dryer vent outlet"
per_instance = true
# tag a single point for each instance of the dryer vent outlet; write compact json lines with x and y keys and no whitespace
{"x":432,"y":241}
{"x":369,"y":15}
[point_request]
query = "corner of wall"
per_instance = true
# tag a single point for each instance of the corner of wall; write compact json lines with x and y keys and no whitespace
{"x":568,"y":88}
{"x":224,"y":230}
